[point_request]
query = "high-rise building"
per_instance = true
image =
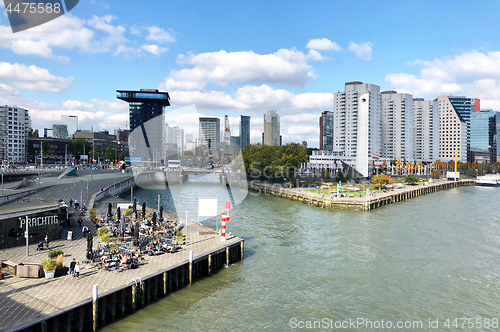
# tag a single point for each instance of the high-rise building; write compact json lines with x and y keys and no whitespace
{"x":484,"y":133}
{"x":272,"y":129}
{"x":455,"y":130}
{"x":122,"y":137}
{"x":357,"y":123}
{"x":144,"y":106}
{"x":189,"y":138}
{"x":326,"y":131}
{"x":210,"y":133}
{"x":426,"y":121}
{"x":304,"y":144}
{"x":397,"y":126}
{"x":71,"y":122}
{"x":60,"y":131}
{"x":244,"y":131}
{"x":14,"y":127}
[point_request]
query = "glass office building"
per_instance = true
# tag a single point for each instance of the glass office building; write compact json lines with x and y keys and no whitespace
{"x":326,"y":131}
{"x":484,"y":132}
{"x":244,"y":131}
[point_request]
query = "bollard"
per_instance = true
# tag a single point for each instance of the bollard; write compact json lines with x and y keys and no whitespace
{"x":143,"y":294}
{"x":134,"y":302}
{"x":94,"y":309}
{"x":227,"y":256}
{"x":242,"y":250}
{"x":164,"y":283}
{"x":209,"y":264}
{"x":190,"y":267}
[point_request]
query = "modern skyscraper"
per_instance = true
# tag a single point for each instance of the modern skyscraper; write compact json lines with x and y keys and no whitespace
{"x":326,"y":131}
{"x":210,"y":133}
{"x":272,"y":128}
{"x":14,"y":127}
{"x":244,"y":131}
{"x":484,"y":132}
{"x":71,"y":122}
{"x":455,"y":114}
{"x":145,"y":105}
{"x":397,"y":126}
{"x":357,"y":123}
{"x":426,"y":129}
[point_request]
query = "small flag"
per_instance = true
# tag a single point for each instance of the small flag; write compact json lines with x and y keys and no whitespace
{"x":375,"y":156}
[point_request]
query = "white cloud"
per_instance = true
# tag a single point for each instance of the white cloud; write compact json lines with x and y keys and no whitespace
{"x":135,"y":30}
{"x":221,"y":68}
{"x":323,"y":44}
{"x":362,"y":51}
{"x":67,"y":32}
{"x":6,"y":90}
{"x":473,"y":73}
{"x":315,"y":55}
{"x":159,"y":35}
{"x":154,"y":49}
{"x":127,"y":50}
{"x":33,"y":77}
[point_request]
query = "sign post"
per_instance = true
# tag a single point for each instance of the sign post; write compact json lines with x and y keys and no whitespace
{"x":27,"y":235}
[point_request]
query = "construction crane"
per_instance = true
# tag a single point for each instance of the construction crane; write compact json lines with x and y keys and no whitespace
{"x":116,"y":123}
{"x":228,"y":151}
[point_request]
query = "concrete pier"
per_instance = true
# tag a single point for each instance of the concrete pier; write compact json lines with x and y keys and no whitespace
{"x":357,"y":203}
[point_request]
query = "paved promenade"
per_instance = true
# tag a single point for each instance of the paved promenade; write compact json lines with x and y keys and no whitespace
{"x":23,"y":299}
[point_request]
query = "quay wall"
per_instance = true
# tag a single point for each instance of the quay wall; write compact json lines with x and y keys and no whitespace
{"x":89,"y":315}
{"x":364,"y":204}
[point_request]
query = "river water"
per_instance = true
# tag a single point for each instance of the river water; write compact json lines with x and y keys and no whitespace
{"x":436,"y":256}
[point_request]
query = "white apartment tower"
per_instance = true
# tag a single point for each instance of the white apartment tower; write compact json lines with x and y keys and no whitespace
{"x":71,"y":122}
{"x":272,"y":129}
{"x":426,"y":129}
{"x":453,"y":131}
{"x":14,"y":127}
{"x":397,"y":126}
{"x":357,"y":123}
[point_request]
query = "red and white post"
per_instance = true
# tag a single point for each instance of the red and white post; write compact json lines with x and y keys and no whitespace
{"x":225,"y":218}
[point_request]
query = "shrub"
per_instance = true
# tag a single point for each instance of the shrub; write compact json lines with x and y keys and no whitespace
{"x":49,"y":264}
{"x":103,"y":234}
{"x":381,"y":180}
{"x":412,"y":179}
{"x":93,"y":213}
{"x":128,"y":212}
{"x":59,"y":261}
{"x":436,"y":174}
{"x":55,"y":252}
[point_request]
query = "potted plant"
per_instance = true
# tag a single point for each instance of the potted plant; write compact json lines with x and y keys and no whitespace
{"x":49,"y":266}
{"x":55,"y":252}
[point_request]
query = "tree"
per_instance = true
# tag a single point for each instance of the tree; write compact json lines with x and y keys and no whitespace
{"x":325,"y":174}
{"x":412,"y":179}
{"x":33,"y":133}
{"x":436,"y":174}
{"x":381,"y":180}
{"x":340,"y":176}
{"x":110,"y":153}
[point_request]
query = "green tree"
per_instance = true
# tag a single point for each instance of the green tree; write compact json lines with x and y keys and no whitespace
{"x":340,"y":176}
{"x":46,"y":149}
{"x":121,"y":156}
{"x":325,"y":174}
{"x":110,"y":153}
{"x":412,"y":179}
{"x":381,"y":180}
{"x":33,"y":133}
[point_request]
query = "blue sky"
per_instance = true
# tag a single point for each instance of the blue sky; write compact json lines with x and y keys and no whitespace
{"x":242,"y":57}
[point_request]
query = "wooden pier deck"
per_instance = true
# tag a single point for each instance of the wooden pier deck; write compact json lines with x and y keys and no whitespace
{"x":357,"y":203}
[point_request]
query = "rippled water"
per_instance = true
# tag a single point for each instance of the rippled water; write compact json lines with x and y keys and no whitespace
{"x":435,"y":256}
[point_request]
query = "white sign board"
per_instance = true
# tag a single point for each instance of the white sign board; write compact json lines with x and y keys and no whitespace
{"x":207,"y":207}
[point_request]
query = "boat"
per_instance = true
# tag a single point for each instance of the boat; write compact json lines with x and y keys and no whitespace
{"x":490,"y":180}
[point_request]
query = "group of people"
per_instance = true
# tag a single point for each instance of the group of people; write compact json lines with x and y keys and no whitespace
{"x":74,"y":268}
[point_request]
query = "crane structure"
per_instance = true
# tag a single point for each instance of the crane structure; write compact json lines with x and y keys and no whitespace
{"x":228,"y":151}
{"x":116,"y":123}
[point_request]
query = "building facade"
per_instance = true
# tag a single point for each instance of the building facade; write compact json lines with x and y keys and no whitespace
{"x":71,"y":122}
{"x":244,"y":131}
{"x":55,"y":150}
{"x":60,"y":131}
{"x":210,"y":133}
{"x":272,"y":129}
{"x":397,"y":126}
{"x":326,"y":131}
{"x":99,"y":141}
{"x":454,"y":127}
{"x":14,"y":127}
{"x":483,"y":137}
{"x":426,"y":113}
{"x":122,"y":137}
{"x":357,"y":123}
{"x":146,"y":111}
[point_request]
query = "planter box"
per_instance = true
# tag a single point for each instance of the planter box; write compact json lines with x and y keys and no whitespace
{"x":49,"y":274}
{"x":29,"y":270}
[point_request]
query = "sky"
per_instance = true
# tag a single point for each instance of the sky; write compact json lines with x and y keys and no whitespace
{"x":246,"y":58}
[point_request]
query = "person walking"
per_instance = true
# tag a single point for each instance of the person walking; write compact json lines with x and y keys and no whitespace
{"x":71,"y":203}
{"x":84,"y":231}
{"x":47,"y":240}
{"x":77,"y":270}
{"x":80,"y":222}
{"x":72,"y":267}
